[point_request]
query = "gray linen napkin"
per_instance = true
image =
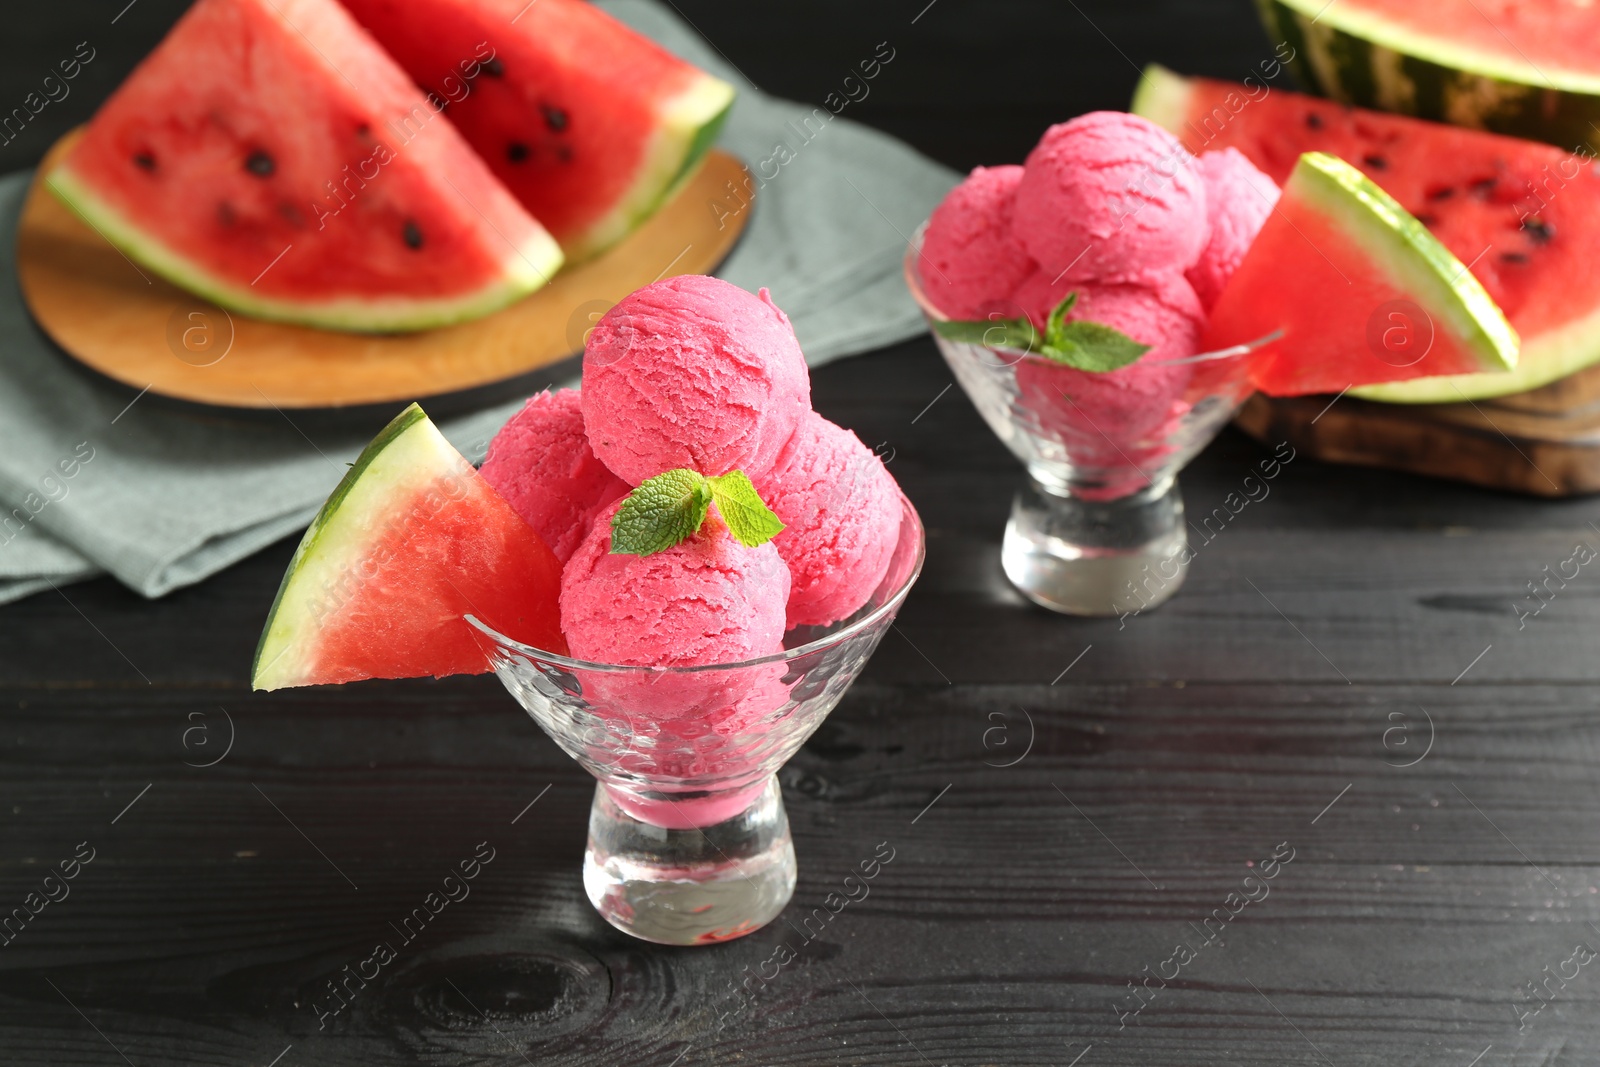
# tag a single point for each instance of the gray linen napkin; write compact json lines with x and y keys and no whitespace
{"x":162,"y":496}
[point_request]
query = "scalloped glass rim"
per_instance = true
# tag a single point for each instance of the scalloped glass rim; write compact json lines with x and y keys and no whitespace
{"x":914,"y":283}
{"x":877,"y":615}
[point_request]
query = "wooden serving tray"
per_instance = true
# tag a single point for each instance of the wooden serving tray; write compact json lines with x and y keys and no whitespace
{"x":146,"y":333}
{"x":1545,"y":442}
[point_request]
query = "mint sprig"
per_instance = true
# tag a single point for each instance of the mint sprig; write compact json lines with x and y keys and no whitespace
{"x":663,"y":511}
{"x":995,"y":333}
{"x":1084,"y":345}
{"x":749,"y":519}
{"x":669,"y":508}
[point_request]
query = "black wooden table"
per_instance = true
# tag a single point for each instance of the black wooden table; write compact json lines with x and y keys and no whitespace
{"x":1335,"y":804}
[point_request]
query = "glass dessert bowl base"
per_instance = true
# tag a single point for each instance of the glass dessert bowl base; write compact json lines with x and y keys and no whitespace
{"x":1096,"y":557}
{"x":691,"y":886}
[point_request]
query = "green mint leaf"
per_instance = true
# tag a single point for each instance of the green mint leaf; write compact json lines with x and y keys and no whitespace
{"x":994,"y":333}
{"x":749,"y":519}
{"x":1093,"y":346}
{"x":663,"y":511}
{"x":1058,"y":318}
{"x":1085,"y":345}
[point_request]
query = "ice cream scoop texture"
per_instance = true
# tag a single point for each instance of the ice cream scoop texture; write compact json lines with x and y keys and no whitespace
{"x":1238,"y":200}
{"x":841,"y":510}
{"x":542,"y":464}
{"x":970,"y":252}
{"x":693,"y":372}
{"x":706,"y":600}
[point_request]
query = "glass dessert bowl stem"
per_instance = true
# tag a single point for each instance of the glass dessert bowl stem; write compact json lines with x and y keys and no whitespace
{"x":1096,"y":557}
{"x":689,"y":842}
{"x":690,"y":885}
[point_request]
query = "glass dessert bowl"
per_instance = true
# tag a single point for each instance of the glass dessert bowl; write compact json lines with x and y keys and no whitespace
{"x":1098,"y":529}
{"x":688,"y":839}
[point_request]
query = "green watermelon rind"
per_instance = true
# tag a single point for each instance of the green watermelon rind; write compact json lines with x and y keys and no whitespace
{"x":1412,"y":257}
{"x":690,"y":124}
{"x":1556,"y":354}
{"x":1360,"y":58}
{"x":1164,"y":97}
{"x":525,"y":270}
{"x":408,"y":454}
{"x":699,"y":146}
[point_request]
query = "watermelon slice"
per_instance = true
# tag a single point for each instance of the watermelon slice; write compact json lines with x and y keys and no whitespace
{"x":1523,"y":67}
{"x":271,"y":158}
{"x":589,"y":124}
{"x":412,"y":539}
{"x":1525,"y":216}
{"x":1362,"y":292}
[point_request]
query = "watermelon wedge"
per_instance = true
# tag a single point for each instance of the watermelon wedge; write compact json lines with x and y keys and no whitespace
{"x":1362,"y":292}
{"x":412,"y":540}
{"x":1522,"y":67}
{"x":1525,"y":216}
{"x":271,"y":158}
{"x":589,"y":124}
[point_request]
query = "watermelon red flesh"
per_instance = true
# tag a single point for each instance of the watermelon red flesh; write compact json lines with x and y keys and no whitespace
{"x":1335,"y":257}
{"x":409,"y":543}
{"x":270,"y":156}
{"x":588,"y":123}
{"x":1525,"y":217}
{"x":470,"y":559}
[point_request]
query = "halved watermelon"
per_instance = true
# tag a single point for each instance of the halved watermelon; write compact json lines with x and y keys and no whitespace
{"x":271,"y":158}
{"x":1523,"y":67}
{"x":412,"y":540}
{"x":589,"y":124}
{"x":1362,"y":292}
{"x":1524,"y":216}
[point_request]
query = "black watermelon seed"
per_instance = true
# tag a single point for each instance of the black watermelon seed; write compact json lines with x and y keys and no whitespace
{"x":494,"y":69}
{"x":144,"y":161}
{"x":412,"y":234}
{"x":554,"y":117}
{"x":1513,"y":257}
{"x":1375,"y":161}
{"x":516,"y":151}
{"x":1537,"y":229}
{"x":1444,"y":192}
{"x":260,"y":164}
{"x":1484,"y":186}
{"x":363,"y":130}
{"x":1314,"y":120}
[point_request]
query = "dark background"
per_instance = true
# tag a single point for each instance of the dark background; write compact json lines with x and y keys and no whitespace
{"x":980,"y":81}
{"x":1351,"y":623}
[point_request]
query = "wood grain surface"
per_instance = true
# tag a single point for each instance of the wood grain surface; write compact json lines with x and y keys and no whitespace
{"x":1545,"y":442}
{"x":1064,"y":797}
{"x":144,"y":332}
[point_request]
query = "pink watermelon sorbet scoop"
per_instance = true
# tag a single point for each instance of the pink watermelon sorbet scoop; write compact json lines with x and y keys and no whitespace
{"x":1238,"y":200}
{"x":1110,"y":197}
{"x":1115,"y":421}
{"x":706,"y":601}
{"x":540,"y":461}
{"x":971,"y":259}
{"x":841,"y":513}
{"x":693,"y":372}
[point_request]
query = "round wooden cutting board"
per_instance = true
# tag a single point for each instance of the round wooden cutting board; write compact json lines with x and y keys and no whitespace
{"x":136,"y":328}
